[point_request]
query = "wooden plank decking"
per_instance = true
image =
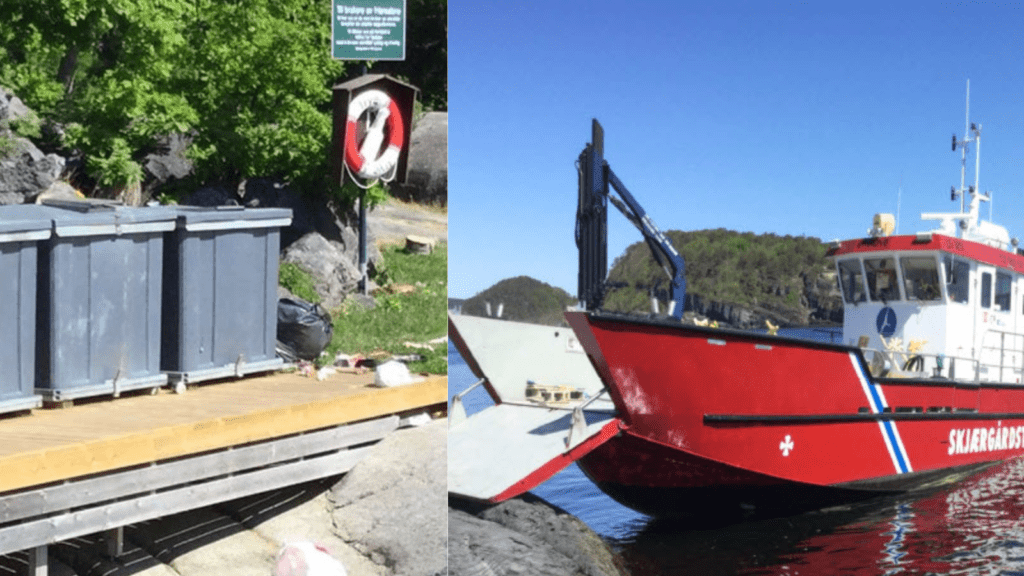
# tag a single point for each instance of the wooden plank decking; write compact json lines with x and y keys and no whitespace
{"x":55,"y":445}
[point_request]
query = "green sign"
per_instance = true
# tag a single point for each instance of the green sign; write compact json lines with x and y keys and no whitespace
{"x":368,"y":29}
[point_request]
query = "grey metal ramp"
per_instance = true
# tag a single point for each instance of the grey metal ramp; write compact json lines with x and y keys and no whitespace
{"x":511,"y":354}
{"x":507,"y":449}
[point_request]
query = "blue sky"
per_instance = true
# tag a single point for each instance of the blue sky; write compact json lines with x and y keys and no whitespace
{"x":801,"y":119}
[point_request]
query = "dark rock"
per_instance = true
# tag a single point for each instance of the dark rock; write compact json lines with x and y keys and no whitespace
{"x":168,"y":162}
{"x":426,"y":180}
{"x":25,"y":171}
{"x":333,"y":271}
{"x":11,"y":107}
{"x":309,"y":213}
{"x":525,"y":535}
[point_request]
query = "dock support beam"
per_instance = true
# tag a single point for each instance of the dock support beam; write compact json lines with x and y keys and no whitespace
{"x":38,"y":561}
{"x":115,"y":542}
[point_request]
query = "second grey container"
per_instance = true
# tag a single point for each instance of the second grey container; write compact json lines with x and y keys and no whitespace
{"x":98,"y":318}
{"x":220,"y":292}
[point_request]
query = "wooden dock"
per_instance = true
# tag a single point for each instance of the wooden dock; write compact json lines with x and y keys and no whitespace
{"x":99,"y":466}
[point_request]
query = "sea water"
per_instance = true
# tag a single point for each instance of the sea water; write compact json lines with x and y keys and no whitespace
{"x":971,"y":526}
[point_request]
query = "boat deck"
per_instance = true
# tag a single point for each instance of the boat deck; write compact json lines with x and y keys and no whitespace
{"x":57,"y":445}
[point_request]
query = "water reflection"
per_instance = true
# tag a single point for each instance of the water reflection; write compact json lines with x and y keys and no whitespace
{"x":973,"y":526}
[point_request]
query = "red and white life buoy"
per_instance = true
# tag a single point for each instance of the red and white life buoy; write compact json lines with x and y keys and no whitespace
{"x":362,"y":159}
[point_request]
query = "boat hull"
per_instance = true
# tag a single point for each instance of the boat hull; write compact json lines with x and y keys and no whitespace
{"x":719,"y":415}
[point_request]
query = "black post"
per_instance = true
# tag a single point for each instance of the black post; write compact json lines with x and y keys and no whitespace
{"x":362,"y":233}
{"x":592,"y":221}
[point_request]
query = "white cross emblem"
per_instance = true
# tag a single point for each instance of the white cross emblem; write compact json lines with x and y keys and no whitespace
{"x":786,"y":445}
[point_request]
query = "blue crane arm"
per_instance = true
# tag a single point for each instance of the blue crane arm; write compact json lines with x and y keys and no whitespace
{"x":596,"y":180}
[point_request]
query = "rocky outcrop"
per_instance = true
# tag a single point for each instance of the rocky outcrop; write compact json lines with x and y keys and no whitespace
{"x":426,"y":180}
{"x":333,"y":272}
{"x":524,"y":535}
{"x":823,"y":298}
{"x":820,"y":302}
{"x":25,"y":171}
{"x":167,"y":164}
{"x":391,"y":507}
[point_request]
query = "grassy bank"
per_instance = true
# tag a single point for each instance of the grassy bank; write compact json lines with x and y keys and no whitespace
{"x":411,"y":307}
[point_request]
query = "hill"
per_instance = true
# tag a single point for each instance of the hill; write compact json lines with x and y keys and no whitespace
{"x":522,"y":299}
{"x":733,"y":277}
{"x":736,"y":278}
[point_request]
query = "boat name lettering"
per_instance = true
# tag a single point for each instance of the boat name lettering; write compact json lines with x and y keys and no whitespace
{"x":971,"y":440}
{"x":954,"y":244}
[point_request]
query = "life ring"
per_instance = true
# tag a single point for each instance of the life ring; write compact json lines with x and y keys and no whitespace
{"x":362,"y":161}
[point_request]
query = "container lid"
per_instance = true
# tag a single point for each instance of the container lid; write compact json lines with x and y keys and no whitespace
{"x":199,"y":218}
{"x":19,"y":225}
{"x":94,"y":218}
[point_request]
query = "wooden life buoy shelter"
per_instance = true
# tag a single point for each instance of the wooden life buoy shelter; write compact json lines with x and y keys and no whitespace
{"x":372,"y":128}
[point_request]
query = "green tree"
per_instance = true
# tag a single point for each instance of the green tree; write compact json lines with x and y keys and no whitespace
{"x":103,"y":69}
{"x":259,"y":78}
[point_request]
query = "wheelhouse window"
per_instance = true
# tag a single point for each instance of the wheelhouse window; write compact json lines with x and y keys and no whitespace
{"x":920,"y":278}
{"x":957,"y":279}
{"x":851,"y":279}
{"x":1004,"y":287}
{"x":881,"y":277}
{"x":986,"y":289}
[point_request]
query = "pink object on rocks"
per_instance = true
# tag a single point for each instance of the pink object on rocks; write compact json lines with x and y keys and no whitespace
{"x":306,"y":559}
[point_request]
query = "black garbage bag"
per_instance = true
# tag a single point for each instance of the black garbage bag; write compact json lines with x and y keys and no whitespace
{"x":303,"y":329}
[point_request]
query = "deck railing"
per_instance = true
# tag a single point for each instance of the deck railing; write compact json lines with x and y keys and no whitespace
{"x":1008,"y":348}
{"x":922,"y":365}
{"x":1001,"y":359}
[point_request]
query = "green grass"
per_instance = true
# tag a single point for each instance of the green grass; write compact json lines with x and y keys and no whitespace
{"x":297,"y":281}
{"x":411,"y":307}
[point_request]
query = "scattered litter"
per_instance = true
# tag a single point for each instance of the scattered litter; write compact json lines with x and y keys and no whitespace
{"x":408,"y":358}
{"x":415,"y":420}
{"x":393,"y":373}
{"x":345,"y":360}
{"x":325,"y":372}
{"x":441,"y":340}
{"x":353,"y":362}
{"x":307,"y":369}
{"x":307,"y":559}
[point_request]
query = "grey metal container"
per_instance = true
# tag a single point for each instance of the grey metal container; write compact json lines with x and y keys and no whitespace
{"x":98,"y":321}
{"x":220,"y":292}
{"x":19,"y":247}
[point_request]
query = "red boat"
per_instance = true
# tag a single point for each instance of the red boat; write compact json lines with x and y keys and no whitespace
{"x":924,"y":386}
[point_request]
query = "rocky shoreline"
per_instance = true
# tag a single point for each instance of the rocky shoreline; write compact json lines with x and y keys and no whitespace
{"x":525,"y":535}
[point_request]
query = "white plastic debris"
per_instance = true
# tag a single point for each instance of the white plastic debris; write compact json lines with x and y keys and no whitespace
{"x":393,"y":373}
{"x":415,"y":420}
{"x":325,"y":372}
{"x":307,"y":559}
